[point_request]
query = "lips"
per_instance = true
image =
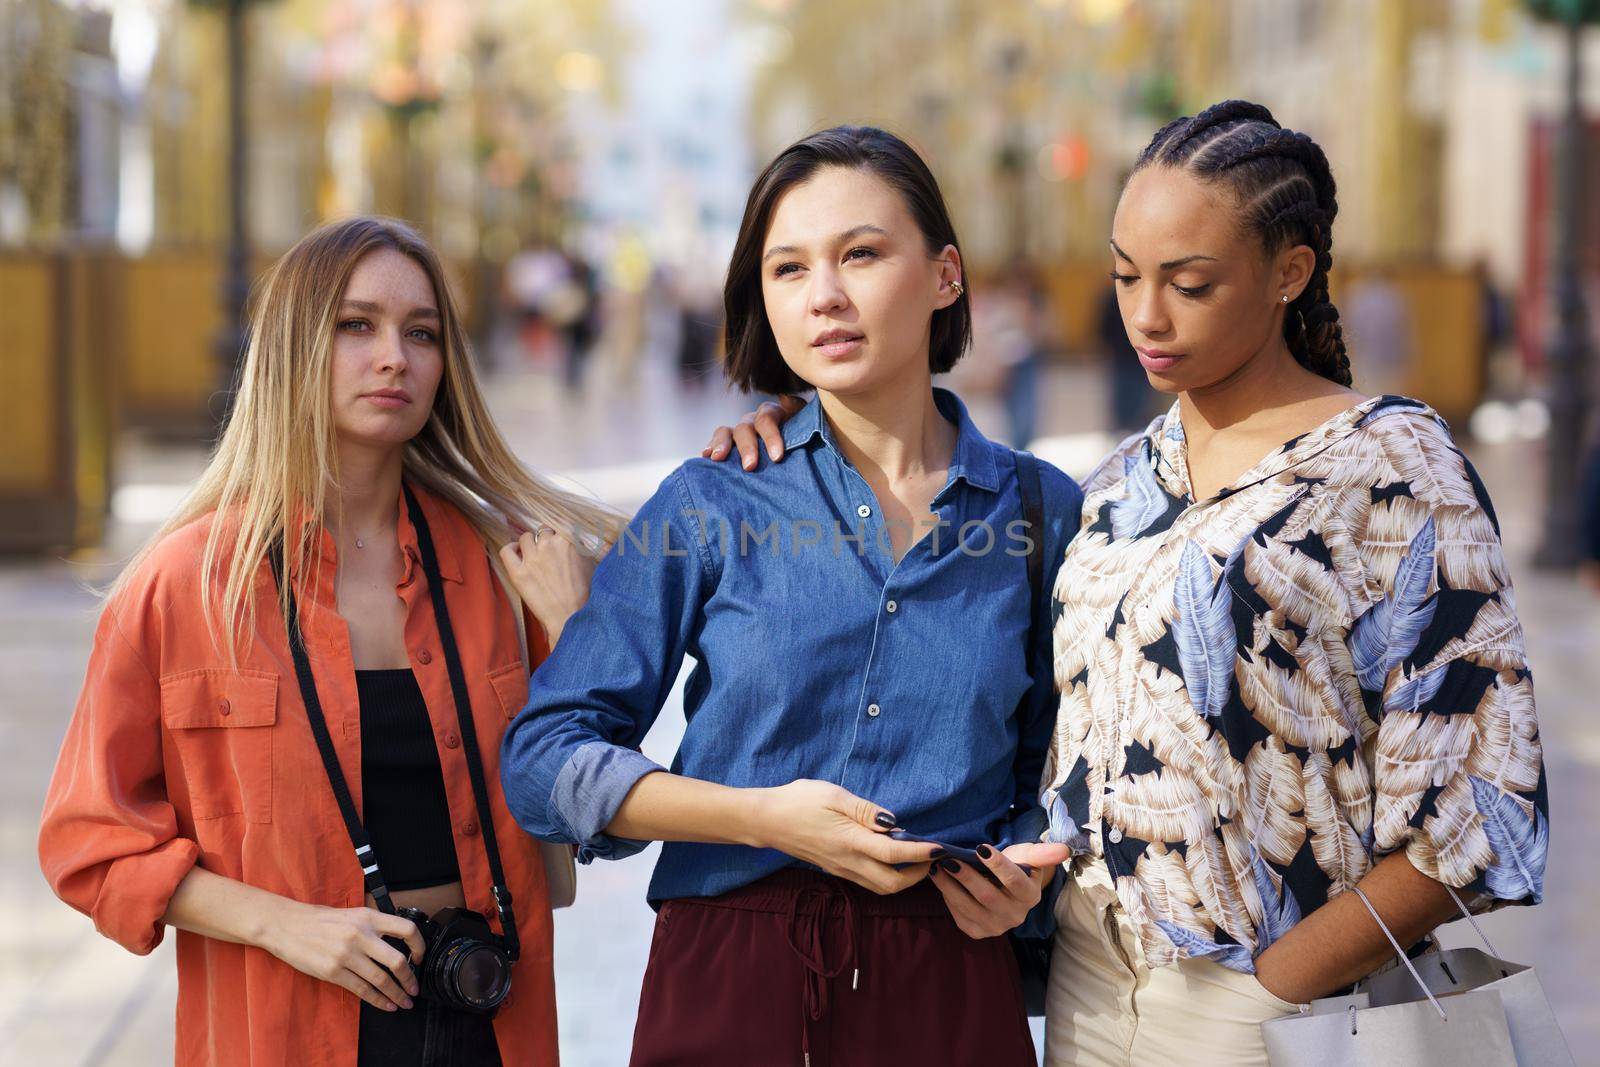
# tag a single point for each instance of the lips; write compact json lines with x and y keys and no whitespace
{"x":389,"y":398}
{"x":836,"y":343}
{"x":1153,"y":359}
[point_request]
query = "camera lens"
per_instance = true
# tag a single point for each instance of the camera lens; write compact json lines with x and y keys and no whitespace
{"x":477,"y":973}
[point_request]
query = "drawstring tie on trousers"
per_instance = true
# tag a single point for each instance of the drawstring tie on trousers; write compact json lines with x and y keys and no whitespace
{"x":812,"y":949}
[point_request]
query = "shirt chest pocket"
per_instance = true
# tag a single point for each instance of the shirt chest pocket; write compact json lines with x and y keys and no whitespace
{"x":511,"y":687}
{"x":220,"y":721}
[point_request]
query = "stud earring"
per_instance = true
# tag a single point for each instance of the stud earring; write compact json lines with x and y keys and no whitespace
{"x":959,"y":288}
{"x":1285,"y":298}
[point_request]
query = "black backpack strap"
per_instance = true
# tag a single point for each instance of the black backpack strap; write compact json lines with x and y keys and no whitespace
{"x":1033,"y":515}
{"x":1033,"y":953}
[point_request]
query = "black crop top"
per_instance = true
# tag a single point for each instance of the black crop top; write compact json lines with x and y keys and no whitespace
{"x":402,"y":785}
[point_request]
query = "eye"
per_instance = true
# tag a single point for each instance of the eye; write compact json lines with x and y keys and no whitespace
{"x":424,"y":334}
{"x":861,"y":253}
{"x":1124,"y":279}
{"x":1192,"y":290}
{"x":355,"y":325}
{"x":785,"y":269}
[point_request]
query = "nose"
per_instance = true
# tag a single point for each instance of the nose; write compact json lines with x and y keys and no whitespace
{"x":389,"y":354}
{"x":827,"y":293}
{"x":1144,"y":311}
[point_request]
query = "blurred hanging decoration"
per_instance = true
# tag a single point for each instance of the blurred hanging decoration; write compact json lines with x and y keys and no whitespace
{"x":406,"y":81}
{"x":1569,"y":353}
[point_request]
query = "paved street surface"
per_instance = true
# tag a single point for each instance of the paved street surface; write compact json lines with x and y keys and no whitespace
{"x":69,"y":997}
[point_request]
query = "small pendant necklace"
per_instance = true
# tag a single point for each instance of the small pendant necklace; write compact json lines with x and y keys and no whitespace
{"x":360,"y":543}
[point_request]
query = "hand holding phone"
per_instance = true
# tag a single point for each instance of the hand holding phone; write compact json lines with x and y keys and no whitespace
{"x":954,"y":852}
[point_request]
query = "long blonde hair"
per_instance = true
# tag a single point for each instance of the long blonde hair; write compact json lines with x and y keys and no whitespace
{"x":277,"y":458}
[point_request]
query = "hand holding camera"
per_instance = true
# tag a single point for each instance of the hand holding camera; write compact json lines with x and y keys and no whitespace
{"x":361,"y":949}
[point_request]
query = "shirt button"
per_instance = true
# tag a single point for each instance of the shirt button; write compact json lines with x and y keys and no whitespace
{"x":452,"y":741}
{"x":873,"y":710}
{"x":424,"y":656}
{"x":863,"y":511}
{"x":891,"y":607}
{"x":1115,"y":836}
{"x":224,"y":707}
{"x":469,"y":829}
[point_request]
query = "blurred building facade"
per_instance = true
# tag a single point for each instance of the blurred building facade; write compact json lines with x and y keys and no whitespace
{"x":1032,"y":110}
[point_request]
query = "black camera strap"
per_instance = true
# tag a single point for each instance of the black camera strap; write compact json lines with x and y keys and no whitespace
{"x":469,"y":730}
{"x":370,"y":869}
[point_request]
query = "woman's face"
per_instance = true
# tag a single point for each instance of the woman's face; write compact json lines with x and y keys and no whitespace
{"x":849,"y":285}
{"x":388,"y":355}
{"x":1199,"y":298}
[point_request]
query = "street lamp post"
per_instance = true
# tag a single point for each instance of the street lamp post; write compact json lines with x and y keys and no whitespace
{"x":231,"y":336}
{"x":236,"y":278}
{"x":1568,"y":352}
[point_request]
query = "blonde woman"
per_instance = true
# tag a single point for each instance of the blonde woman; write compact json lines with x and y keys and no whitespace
{"x":323,"y":613}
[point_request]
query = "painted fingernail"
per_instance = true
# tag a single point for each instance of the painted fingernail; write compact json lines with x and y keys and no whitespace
{"x":950,"y":866}
{"x":1027,"y":869}
{"x":886,"y":820}
{"x":936,"y":854}
{"x":985,"y":851}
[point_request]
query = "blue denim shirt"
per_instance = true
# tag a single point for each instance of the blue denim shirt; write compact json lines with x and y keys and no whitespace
{"x":817,"y":656}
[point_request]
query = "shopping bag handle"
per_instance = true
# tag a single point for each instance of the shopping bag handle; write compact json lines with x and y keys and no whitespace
{"x":1475,"y":927}
{"x":1401,"y":953}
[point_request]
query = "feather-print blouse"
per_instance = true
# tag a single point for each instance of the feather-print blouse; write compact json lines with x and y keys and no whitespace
{"x":1264,"y":692}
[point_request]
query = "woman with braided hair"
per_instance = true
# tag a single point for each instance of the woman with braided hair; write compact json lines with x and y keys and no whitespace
{"x":1294,"y":695}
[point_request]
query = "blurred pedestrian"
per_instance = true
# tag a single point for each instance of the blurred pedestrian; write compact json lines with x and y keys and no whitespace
{"x":582,"y":325}
{"x":1379,"y":321}
{"x":1589,"y":502}
{"x":320,"y":622}
{"x":1011,"y":324}
{"x":1132,"y":399}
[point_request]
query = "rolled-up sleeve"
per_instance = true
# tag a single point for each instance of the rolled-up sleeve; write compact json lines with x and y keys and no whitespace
{"x":108,"y":842}
{"x":1458,"y":766}
{"x":571,"y":756}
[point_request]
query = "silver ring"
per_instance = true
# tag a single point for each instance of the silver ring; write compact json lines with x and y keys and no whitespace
{"x":538,"y":531}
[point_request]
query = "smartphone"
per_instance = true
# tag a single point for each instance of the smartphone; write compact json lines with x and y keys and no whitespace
{"x":955,"y":852}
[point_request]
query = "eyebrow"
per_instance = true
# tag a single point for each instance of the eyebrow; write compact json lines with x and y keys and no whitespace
{"x":369,"y":306}
{"x":850,"y":234}
{"x":1171,"y":264}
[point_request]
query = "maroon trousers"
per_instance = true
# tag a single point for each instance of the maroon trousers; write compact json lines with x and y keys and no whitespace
{"x":807,"y":969}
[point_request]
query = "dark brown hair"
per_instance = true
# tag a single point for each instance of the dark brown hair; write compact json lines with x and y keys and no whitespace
{"x":753,"y":361}
{"x":1286,"y":196}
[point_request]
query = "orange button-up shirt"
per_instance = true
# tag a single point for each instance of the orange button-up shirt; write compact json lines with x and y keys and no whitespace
{"x":173,"y":759}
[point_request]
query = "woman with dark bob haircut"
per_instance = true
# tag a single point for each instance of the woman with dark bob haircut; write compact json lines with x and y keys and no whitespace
{"x":852,"y":819}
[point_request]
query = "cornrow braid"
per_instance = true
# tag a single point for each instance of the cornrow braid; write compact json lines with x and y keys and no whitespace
{"x":1287,"y":197}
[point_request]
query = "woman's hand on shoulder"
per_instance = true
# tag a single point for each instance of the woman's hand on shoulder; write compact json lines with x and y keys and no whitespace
{"x":764,"y":425}
{"x":550,"y":575}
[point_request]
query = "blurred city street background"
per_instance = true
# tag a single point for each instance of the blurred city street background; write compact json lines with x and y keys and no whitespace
{"x":583,"y":164}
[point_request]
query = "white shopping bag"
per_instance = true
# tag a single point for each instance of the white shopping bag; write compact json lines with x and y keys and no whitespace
{"x":1478,"y":1011}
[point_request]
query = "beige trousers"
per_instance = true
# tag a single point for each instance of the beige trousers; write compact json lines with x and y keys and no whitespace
{"x":1107,"y":1006}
